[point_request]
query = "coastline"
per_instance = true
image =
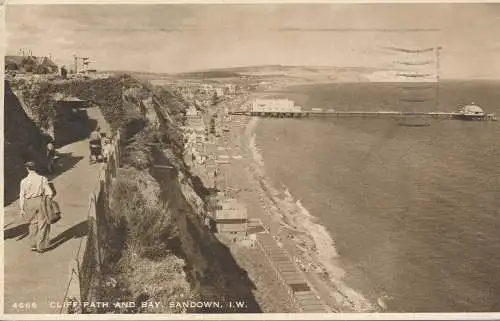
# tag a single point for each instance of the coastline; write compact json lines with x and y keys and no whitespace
{"x":288,"y":221}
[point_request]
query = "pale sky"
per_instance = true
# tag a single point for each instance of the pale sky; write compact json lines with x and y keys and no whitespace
{"x":178,"y":37}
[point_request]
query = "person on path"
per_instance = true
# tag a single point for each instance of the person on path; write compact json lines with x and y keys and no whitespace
{"x":51,"y":154}
{"x":32,"y":189}
{"x":106,"y":149}
{"x":95,"y":145}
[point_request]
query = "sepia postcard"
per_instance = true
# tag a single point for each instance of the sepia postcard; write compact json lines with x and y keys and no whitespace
{"x":251,"y":160}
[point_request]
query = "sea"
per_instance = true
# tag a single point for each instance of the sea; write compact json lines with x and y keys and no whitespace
{"x":412,"y":210}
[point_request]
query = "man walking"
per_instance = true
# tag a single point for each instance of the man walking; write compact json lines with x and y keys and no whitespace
{"x":33,"y":188}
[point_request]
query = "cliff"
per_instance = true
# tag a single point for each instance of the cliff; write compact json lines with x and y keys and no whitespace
{"x":212,"y":272}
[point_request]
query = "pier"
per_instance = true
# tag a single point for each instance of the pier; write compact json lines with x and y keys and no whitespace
{"x":334,"y":113}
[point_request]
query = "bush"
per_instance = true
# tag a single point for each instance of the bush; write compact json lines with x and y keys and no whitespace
{"x":105,"y":93}
{"x":150,"y":230}
{"x":144,"y":238}
{"x":161,"y":281}
{"x":145,"y":280}
{"x":138,"y":152}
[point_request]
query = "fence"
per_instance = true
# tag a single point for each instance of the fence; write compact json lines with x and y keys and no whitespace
{"x":84,"y":269}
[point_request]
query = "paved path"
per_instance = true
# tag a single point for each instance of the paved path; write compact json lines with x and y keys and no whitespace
{"x":43,"y":278}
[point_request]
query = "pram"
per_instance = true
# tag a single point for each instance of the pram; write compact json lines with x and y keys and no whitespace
{"x":95,"y":153}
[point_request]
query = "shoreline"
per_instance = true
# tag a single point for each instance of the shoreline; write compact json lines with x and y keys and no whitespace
{"x":288,"y":221}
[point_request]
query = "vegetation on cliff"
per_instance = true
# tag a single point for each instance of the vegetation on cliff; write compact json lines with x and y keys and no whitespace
{"x":41,"y":94}
{"x":141,"y":261}
{"x":179,"y":242}
{"x":142,"y":252}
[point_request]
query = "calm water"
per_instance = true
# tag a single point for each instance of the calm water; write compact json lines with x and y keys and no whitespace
{"x":414,"y":211}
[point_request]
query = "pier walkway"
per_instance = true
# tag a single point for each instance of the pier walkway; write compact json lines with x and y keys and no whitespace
{"x":37,"y":283}
{"x":334,"y":113}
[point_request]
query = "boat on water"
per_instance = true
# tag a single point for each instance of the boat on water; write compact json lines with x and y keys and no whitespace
{"x":470,"y":112}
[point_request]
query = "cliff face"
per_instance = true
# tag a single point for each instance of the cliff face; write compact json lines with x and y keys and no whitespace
{"x":213,"y":272}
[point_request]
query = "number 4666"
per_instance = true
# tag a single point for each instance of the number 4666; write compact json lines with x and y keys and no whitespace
{"x":24,"y":305}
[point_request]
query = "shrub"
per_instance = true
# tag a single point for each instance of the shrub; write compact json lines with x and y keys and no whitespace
{"x":105,"y":93}
{"x":138,"y":152}
{"x":161,"y":281}
{"x":141,"y":280}
{"x":150,"y":230}
{"x":154,"y":232}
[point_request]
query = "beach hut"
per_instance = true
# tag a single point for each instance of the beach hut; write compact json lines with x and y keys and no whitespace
{"x":231,"y":217}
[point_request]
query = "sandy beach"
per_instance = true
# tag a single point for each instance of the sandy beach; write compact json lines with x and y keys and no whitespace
{"x":294,"y":228}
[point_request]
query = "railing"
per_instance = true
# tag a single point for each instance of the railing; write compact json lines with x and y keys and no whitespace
{"x":84,"y":268}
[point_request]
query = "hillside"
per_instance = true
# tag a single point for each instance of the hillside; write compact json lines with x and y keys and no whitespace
{"x":295,"y":74}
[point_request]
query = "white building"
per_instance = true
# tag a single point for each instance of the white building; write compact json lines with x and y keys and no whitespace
{"x":194,"y":121}
{"x":274,"y":106}
{"x":191,"y":112}
{"x":219,"y":92}
{"x":230,"y":89}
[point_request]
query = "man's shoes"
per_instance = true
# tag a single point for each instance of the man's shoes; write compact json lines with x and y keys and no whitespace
{"x":40,"y":251}
{"x":34,"y":249}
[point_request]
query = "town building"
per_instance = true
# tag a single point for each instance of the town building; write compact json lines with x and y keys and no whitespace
{"x":31,"y":64}
{"x":195,"y":121}
{"x":219,"y":92}
{"x":14,"y":62}
{"x":48,"y":64}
